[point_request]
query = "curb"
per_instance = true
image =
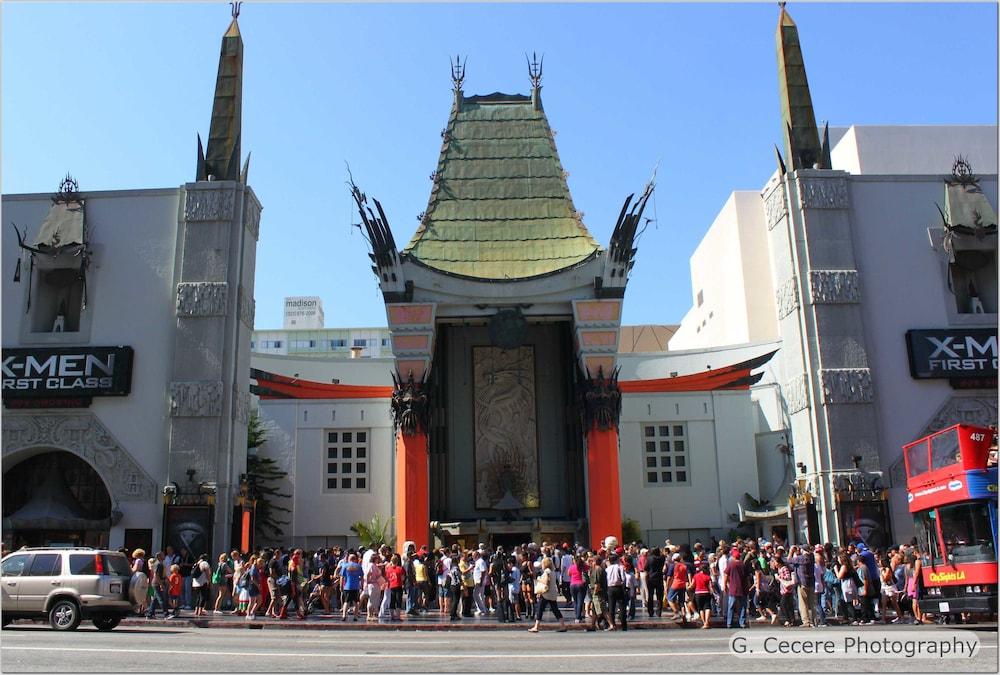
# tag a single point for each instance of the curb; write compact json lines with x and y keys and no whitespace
{"x":332,"y":624}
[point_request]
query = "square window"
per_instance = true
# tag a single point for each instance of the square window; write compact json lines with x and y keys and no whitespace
{"x":345,"y":483}
{"x":331,"y":437}
{"x":667,"y":477}
{"x":650,"y":431}
{"x":664,"y":446}
{"x":361,"y":437}
{"x":680,"y":460}
{"x":360,"y":453}
{"x":346,"y":437}
{"x":651,"y":446}
{"x":664,"y":431}
{"x":651,"y":477}
{"x":331,"y":453}
{"x":682,"y":476}
{"x":345,"y":453}
{"x":678,"y":430}
{"x":679,"y":446}
{"x":664,"y":460}
{"x":331,"y":483}
{"x":360,"y":467}
{"x":331,"y":467}
{"x":345,"y":467}
{"x":359,"y":483}
{"x":651,"y":462}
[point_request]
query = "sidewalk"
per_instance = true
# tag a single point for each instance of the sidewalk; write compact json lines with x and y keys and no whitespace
{"x":432,"y":621}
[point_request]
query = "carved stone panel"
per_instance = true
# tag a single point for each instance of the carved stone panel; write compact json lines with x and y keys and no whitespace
{"x":796,"y":392}
{"x":84,"y":435}
{"x":823,"y":193}
{"x":506,"y":438}
{"x":241,"y":405}
{"x":251,"y":216}
{"x":786,"y":298}
{"x":196,"y":399}
{"x":834,"y":287}
{"x":206,"y":205}
{"x":202,"y":298}
{"x":247,"y":307}
{"x":847,"y":385}
{"x":775,"y":207}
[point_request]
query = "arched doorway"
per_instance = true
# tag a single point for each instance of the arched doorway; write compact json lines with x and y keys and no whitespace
{"x":55,"y":498}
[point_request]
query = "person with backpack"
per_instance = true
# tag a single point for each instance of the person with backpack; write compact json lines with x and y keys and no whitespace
{"x":454,"y":585}
{"x":201,"y":585}
{"x":158,"y":586}
{"x":222,"y":579}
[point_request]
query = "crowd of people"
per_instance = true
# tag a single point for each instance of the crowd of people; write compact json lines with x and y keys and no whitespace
{"x":748,"y":580}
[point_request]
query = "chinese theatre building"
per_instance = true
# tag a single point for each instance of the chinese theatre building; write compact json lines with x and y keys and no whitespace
{"x":505,"y":317}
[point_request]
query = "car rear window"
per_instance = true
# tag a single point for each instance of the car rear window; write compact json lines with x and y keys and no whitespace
{"x":116,"y":564}
{"x":111,"y":564}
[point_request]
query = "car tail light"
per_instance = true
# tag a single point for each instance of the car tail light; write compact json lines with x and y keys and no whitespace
{"x":98,"y":564}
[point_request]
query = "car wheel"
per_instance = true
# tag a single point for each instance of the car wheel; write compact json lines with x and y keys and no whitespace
{"x":107,"y":621}
{"x":64,"y":615}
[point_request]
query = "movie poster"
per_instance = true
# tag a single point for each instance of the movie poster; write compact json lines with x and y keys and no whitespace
{"x":188,"y":527}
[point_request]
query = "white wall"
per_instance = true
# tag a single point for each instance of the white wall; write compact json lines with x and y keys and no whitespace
{"x":721,"y":459}
{"x":730,"y":270}
{"x":891,"y":217}
{"x":914,"y":149}
{"x":297,"y":441}
{"x":131,"y":299}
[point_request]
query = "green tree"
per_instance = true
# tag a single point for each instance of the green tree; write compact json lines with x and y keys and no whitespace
{"x":262,"y":472}
{"x":375,"y":531}
{"x":631,"y":530}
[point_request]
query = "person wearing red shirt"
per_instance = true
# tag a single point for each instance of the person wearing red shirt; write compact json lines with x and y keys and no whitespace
{"x":396,"y":576}
{"x":701,"y":584}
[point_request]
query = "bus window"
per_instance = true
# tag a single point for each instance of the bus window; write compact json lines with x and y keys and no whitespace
{"x":916,"y":458}
{"x":967,"y":533}
{"x":944,"y":449}
{"x":927,"y":539}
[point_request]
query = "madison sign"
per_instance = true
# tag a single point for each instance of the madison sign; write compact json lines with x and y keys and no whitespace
{"x":952,"y":353}
{"x":67,"y":372}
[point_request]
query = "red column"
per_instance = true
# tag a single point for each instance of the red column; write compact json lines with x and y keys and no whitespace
{"x":413,"y":514}
{"x":604,"y":500}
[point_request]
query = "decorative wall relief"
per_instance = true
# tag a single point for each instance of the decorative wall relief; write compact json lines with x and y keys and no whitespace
{"x":241,"y":405}
{"x":251,"y":215}
{"x":796,"y":393}
{"x":822,"y":193}
{"x":202,"y":298}
{"x":775,"y":207}
{"x":246,"y":308}
{"x":84,"y":435}
{"x":847,"y":385}
{"x":506,"y":438}
{"x":786,"y":298}
{"x":196,"y":399}
{"x":834,"y":287}
{"x":210,"y":204}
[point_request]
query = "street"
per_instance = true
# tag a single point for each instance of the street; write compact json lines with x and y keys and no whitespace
{"x":35,"y":648}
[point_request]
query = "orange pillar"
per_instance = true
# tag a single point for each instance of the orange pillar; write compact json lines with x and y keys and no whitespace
{"x":413,"y":513}
{"x":604,"y":500}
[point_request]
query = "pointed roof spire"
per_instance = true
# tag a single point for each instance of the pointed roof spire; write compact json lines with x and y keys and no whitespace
{"x":221,"y":158}
{"x":535,"y":75}
{"x":802,"y":142}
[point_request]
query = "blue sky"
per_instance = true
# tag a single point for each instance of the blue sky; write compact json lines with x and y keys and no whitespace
{"x":115,"y":93}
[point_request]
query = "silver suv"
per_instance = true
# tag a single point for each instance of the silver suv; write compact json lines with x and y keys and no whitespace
{"x":65,"y":585}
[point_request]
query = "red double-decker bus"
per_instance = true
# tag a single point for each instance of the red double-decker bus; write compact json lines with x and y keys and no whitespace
{"x":951,"y":483}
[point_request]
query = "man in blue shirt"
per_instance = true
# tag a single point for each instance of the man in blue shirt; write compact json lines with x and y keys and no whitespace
{"x":352,"y":575}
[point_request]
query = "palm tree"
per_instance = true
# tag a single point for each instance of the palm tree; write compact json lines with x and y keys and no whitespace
{"x":374,"y":532}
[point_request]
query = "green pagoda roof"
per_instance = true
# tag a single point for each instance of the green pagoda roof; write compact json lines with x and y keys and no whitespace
{"x":500,"y":207}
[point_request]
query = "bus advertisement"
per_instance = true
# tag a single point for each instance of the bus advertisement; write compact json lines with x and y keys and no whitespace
{"x":951,"y":484}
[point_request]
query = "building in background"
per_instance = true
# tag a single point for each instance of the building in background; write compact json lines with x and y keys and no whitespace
{"x":877,"y":271}
{"x":126,"y":332}
{"x":303,"y":312}
{"x":347,"y":343}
